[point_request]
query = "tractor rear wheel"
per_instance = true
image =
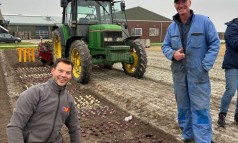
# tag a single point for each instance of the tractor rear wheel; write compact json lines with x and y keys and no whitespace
{"x":79,"y":54}
{"x":138,"y":67}
{"x":57,"y":49}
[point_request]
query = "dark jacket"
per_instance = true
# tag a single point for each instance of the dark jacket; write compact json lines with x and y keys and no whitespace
{"x":40,"y":113}
{"x":231,"y":38}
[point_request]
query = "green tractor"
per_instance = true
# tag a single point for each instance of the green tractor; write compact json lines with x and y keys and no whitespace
{"x":95,"y":32}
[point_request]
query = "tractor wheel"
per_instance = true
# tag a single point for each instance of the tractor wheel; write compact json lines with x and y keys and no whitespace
{"x":105,"y":66}
{"x":138,"y":67}
{"x":57,"y":49}
{"x":79,"y":54}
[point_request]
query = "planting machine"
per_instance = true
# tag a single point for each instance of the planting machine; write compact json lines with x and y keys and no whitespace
{"x":95,"y":32}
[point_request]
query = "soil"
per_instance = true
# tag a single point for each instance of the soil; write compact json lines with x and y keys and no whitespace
{"x":111,"y":96}
{"x":5,"y":111}
{"x":101,"y":121}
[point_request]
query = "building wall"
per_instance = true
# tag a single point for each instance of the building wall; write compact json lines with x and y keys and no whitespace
{"x":22,"y":31}
{"x":145,"y":25}
{"x":163,"y":26}
{"x":29,"y":31}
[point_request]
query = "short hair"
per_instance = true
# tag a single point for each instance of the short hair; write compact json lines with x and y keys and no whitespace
{"x":175,"y":1}
{"x":63,"y":60}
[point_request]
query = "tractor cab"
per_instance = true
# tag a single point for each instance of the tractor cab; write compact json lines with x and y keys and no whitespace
{"x":80,"y":14}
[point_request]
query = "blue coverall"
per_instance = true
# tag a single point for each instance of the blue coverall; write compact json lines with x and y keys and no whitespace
{"x":190,"y":76}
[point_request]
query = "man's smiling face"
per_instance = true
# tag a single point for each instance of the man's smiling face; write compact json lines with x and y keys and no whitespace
{"x":62,"y":73}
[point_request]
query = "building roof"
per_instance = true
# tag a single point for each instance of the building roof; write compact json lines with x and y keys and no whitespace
{"x":31,"y":19}
{"x":141,"y":14}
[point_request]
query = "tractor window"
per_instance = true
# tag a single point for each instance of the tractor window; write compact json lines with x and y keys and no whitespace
{"x":86,"y":13}
{"x":119,"y":17}
{"x":95,"y":11}
{"x":105,"y":12}
{"x":68,"y":17}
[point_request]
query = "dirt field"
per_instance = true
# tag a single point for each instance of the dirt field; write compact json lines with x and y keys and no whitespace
{"x":100,"y":120}
{"x":150,"y":101}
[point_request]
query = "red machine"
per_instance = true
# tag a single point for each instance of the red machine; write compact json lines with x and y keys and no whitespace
{"x":45,"y":52}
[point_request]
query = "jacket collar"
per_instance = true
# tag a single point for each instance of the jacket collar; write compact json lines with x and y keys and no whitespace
{"x":55,"y":86}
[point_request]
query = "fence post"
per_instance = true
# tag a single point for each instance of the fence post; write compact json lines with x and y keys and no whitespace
{"x":19,"y":55}
{"x":24,"y":54}
{"x":33,"y":54}
{"x":27,"y":54}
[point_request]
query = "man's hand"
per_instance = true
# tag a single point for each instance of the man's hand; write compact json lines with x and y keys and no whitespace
{"x":179,"y":55}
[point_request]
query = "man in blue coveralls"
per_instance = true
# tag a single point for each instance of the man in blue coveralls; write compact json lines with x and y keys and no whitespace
{"x":192,"y":44}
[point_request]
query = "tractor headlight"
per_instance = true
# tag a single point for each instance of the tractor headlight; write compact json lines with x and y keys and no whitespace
{"x":108,"y":39}
{"x":118,"y":39}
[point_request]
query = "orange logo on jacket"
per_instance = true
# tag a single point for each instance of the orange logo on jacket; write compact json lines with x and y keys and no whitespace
{"x":65,"y":109}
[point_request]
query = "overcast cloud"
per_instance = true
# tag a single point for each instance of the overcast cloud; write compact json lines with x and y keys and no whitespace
{"x":219,"y":11}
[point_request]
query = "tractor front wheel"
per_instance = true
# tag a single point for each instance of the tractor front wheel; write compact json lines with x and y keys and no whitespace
{"x":79,"y":54}
{"x":138,"y":67}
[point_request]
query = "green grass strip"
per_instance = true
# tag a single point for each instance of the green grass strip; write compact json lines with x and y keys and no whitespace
{"x":6,"y":46}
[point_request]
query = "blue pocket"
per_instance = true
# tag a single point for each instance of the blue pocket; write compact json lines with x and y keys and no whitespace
{"x":175,"y":42}
{"x":196,"y":40}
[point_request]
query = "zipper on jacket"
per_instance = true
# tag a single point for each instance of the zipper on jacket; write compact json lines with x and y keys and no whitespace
{"x":55,"y":117}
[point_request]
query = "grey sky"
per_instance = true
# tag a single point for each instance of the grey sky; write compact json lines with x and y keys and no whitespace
{"x":219,"y":11}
